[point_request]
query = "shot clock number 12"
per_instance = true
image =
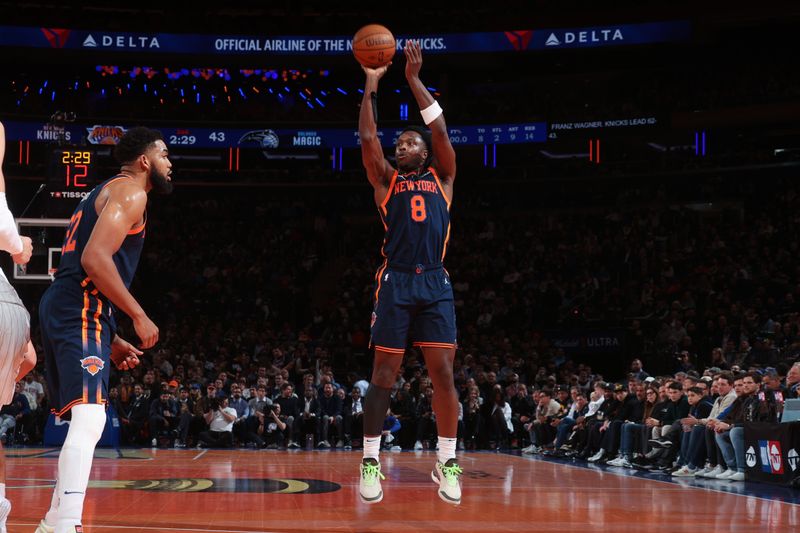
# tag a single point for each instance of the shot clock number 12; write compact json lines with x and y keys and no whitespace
{"x":76,"y":167}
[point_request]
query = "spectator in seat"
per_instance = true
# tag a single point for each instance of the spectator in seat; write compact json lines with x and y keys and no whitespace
{"x":220,"y":418}
{"x":726,"y":394}
{"x":134,"y":418}
{"x":693,"y":439}
{"x":426,"y":419}
{"x":12,"y":414}
{"x":748,"y":407}
{"x":290,"y":409}
{"x":272,"y":429}
{"x":309,"y":421}
{"x":163,"y":417}
{"x":473,"y":419}
{"x":330,"y":407}
{"x":353,"y":417}
{"x":541,"y":430}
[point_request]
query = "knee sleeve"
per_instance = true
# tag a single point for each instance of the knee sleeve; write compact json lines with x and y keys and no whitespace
{"x":87,"y":424}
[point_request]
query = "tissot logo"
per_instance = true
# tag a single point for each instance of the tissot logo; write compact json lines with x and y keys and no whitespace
{"x":57,"y":37}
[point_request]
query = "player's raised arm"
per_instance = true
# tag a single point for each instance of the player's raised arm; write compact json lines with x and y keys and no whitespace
{"x":379,"y":171}
{"x":444,"y":157}
{"x":19,"y":247}
{"x":124,"y":210}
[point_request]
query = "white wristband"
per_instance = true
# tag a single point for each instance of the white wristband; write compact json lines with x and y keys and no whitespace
{"x":10,"y":240}
{"x":431,"y":113}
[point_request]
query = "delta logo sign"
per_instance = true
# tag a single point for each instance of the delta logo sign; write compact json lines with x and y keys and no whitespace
{"x":771,"y":459}
{"x":57,"y":37}
{"x":519,"y":39}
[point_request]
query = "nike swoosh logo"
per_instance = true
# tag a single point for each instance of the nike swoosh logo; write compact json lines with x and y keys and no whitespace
{"x":73,"y":492}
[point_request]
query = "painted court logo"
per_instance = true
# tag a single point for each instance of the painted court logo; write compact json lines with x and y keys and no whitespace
{"x":771,"y":460}
{"x":92,"y":364}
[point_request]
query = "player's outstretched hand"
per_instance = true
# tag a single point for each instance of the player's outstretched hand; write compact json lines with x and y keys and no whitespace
{"x":413,"y":54}
{"x":24,"y":256}
{"x":147,"y":332}
{"x":124,"y":354}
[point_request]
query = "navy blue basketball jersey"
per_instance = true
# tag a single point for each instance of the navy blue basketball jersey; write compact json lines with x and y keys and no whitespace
{"x":416,"y":216}
{"x":78,"y":232}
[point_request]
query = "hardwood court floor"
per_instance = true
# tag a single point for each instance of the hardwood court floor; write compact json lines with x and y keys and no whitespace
{"x":247,"y":491}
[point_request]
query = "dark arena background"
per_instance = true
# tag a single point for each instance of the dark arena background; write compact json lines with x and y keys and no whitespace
{"x":625,"y":219}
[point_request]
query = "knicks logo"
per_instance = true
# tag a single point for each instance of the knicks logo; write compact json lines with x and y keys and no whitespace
{"x":98,"y":134}
{"x":92,"y":364}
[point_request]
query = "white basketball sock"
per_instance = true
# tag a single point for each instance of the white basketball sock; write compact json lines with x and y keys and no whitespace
{"x":372,"y":447}
{"x":75,"y":462}
{"x":52,"y":513}
{"x":447,"y":449}
{"x":2,"y":490}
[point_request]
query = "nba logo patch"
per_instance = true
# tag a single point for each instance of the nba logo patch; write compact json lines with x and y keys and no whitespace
{"x":92,"y":364}
{"x":771,"y":459}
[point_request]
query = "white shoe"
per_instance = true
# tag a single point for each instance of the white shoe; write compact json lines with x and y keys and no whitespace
{"x":418,"y":445}
{"x":618,"y":461}
{"x":684,"y":471}
{"x":703,"y":471}
{"x":389,"y":438}
{"x":714,"y":472}
{"x":738,"y":476}
{"x":5,"y":510}
{"x":448,"y":477}
{"x":369,"y":485}
{"x":154,"y":443}
{"x":44,"y":528}
{"x":529,"y":449}
{"x":726,"y":474}
{"x":596,"y":457}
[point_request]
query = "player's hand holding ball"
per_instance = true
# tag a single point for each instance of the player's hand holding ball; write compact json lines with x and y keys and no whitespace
{"x":374,"y":47}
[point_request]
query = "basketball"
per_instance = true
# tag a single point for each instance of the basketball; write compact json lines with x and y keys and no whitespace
{"x":373,"y":46}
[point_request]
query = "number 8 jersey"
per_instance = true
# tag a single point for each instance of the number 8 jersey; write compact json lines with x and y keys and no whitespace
{"x":413,"y":295}
{"x":416,"y":216}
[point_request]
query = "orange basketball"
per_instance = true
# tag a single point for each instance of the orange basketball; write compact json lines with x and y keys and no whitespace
{"x":374,"y":45}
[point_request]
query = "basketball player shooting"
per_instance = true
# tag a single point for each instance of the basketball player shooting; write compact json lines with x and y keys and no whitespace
{"x":17,"y":356}
{"x":99,"y":257}
{"x":413,"y":293}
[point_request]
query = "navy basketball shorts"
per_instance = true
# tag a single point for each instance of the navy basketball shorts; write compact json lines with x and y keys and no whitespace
{"x":413,"y":304}
{"x":77,"y":347}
